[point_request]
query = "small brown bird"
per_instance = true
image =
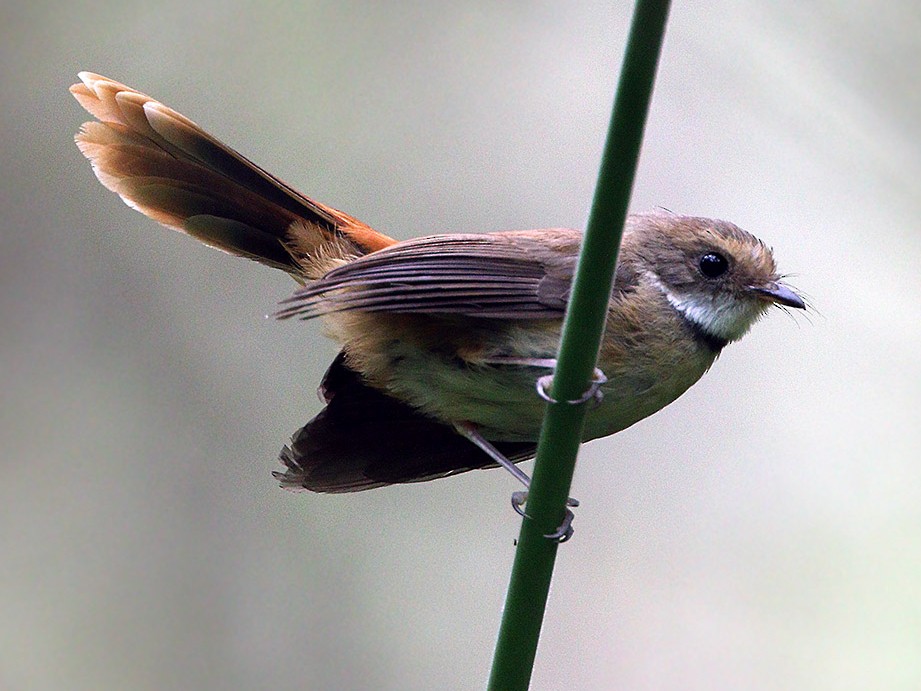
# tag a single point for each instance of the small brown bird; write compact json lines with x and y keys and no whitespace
{"x":443,"y":336}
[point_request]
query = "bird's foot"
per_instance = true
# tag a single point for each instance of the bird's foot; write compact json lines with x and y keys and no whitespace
{"x":565,"y":529}
{"x":543,"y":384}
{"x":593,"y":393}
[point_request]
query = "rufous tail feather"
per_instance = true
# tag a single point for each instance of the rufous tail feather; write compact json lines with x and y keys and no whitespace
{"x":168,"y":168}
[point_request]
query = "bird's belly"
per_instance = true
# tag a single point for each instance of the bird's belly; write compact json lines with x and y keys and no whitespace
{"x":504,"y":404}
{"x":454,"y":377}
{"x":501,"y":401}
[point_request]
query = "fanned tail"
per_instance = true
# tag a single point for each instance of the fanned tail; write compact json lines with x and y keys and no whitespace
{"x":168,"y":168}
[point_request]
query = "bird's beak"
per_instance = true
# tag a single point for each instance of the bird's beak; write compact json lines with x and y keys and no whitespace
{"x":779,"y":294}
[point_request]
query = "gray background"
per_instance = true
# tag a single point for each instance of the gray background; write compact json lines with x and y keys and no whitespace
{"x":764,"y":532}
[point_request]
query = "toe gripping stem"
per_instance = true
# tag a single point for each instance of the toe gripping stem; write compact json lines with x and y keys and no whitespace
{"x":564,"y":531}
{"x":468,"y":430}
{"x":593,"y":393}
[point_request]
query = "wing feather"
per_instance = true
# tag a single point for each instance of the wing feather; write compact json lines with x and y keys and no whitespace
{"x":495,"y":275}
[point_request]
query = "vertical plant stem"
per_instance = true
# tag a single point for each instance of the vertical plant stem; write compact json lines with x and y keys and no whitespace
{"x":583,"y":326}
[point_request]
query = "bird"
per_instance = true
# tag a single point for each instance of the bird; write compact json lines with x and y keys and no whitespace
{"x":444,"y":336}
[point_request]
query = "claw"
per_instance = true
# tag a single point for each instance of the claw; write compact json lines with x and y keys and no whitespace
{"x":594,"y":392}
{"x":565,"y":531}
{"x":561,"y":534}
{"x":518,"y":500}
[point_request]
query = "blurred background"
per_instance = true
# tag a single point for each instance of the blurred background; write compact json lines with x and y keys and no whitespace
{"x":764,"y":532}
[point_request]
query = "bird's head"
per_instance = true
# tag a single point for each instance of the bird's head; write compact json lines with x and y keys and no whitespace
{"x":716,"y":275}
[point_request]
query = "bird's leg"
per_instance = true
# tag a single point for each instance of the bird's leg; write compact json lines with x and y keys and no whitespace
{"x":594,"y":393}
{"x":546,"y":362}
{"x":470,"y":432}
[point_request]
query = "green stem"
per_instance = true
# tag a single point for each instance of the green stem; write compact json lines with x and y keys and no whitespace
{"x":583,"y":326}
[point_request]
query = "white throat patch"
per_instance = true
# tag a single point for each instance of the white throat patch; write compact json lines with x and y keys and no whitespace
{"x":722,"y":316}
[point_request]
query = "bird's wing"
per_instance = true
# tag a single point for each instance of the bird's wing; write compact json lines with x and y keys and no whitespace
{"x":512,"y":274}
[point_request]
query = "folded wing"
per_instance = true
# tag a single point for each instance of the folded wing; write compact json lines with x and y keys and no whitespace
{"x":511,"y":275}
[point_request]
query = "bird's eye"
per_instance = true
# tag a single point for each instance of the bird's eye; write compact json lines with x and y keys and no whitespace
{"x":713,"y":265}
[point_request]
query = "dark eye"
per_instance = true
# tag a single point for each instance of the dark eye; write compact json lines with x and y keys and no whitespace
{"x":713,"y":265}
